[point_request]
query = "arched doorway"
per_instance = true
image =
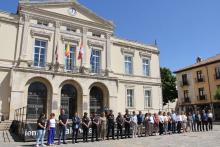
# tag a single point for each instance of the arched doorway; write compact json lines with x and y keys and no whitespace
{"x":98,"y":98}
{"x":37,"y":100}
{"x":69,"y":99}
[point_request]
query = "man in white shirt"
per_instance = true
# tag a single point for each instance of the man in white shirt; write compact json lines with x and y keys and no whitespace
{"x":179,"y":122}
{"x":134,"y":125}
{"x":161,"y":123}
{"x":151,"y":124}
{"x":210,"y":119}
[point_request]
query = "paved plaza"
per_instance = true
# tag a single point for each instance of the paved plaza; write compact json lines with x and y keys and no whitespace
{"x":193,"y":139}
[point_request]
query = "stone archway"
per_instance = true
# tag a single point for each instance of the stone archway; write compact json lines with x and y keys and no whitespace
{"x":98,"y":98}
{"x":71,"y":97}
{"x":39,"y":93}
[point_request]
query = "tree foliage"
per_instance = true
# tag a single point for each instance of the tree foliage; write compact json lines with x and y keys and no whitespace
{"x":168,"y":85}
{"x":217,"y":94}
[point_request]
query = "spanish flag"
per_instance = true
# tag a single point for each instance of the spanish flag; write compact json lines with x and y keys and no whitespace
{"x":67,"y":50}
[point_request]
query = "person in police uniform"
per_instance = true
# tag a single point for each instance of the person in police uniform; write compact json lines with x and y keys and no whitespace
{"x":119,"y":121}
{"x":95,"y":124}
{"x":127,"y":124}
{"x":111,"y":124}
{"x":85,"y":126}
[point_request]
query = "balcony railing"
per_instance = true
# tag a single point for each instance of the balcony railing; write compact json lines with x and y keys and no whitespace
{"x":186,"y":100}
{"x":200,"y":79}
{"x":202,"y":97}
{"x":184,"y":83}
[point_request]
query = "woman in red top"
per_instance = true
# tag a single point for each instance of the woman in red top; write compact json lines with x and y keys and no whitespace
{"x":156,"y":123}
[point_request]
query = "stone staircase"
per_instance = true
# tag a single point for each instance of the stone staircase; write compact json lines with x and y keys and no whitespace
{"x":5,"y":135}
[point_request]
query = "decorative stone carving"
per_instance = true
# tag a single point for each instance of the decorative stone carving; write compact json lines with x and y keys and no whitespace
{"x":128,"y":50}
{"x":96,"y":43}
{"x":145,"y":54}
{"x":41,"y":33}
{"x":71,"y":39}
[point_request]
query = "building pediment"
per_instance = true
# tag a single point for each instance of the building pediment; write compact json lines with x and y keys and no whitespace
{"x":65,"y":8}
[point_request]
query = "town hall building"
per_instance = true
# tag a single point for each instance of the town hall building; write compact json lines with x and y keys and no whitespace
{"x":59,"y":54}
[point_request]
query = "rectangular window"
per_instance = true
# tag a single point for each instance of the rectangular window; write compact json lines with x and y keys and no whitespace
{"x":130,"y":97}
{"x":199,"y":76}
{"x":69,"y":29}
{"x":186,"y":93}
{"x":95,"y":61}
{"x":202,"y":95}
{"x":217,"y":72}
{"x":184,"y":79}
{"x":128,"y":64}
{"x":96,"y":35}
{"x":42,"y":23}
{"x":40,"y":53}
{"x":147,"y":99}
{"x":146,"y":67}
{"x":71,"y":60}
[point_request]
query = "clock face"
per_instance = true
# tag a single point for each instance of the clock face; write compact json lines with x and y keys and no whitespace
{"x":72,"y":11}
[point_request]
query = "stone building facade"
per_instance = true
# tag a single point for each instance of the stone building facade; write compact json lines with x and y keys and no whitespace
{"x":38,"y":75}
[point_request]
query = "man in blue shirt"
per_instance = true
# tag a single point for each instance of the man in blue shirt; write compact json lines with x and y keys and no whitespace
{"x":63,"y":120}
{"x":204,"y":120}
{"x":140,"y":120}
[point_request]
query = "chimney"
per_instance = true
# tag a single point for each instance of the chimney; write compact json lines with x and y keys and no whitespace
{"x":198,"y":59}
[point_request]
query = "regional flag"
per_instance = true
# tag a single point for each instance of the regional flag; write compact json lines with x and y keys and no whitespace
{"x":81,"y":52}
{"x":67,"y":50}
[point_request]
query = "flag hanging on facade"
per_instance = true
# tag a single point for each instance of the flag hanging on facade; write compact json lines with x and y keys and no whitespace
{"x":92,"y":57}
{"x":56,"y":54}
{"x":67,"y":50}
{"x":81,"y":52}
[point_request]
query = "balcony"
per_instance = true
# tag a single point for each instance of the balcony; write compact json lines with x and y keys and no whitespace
{"x":186,"y":100}
{"x":202,"y":97}
{"x":200,"y":79}
{"x":184,"y":83}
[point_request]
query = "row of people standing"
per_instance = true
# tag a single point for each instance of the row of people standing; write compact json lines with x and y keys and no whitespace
{"x":104,"y":125}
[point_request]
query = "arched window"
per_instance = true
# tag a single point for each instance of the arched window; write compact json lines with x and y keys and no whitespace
{"x":37,"y":100}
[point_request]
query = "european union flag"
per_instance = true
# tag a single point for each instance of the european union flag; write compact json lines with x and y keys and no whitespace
{"x":92,"y":58}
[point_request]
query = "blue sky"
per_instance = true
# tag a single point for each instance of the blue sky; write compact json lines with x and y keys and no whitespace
{"x":184,"y":29}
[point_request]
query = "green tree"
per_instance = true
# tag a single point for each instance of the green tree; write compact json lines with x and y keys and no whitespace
{"x":168,"y":85}
{"x":217,"y":94}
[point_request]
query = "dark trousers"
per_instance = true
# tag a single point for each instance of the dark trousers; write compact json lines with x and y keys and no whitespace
{"x":62,"y":134}
{"x":111,"y":128}
{"x":127,"y":130}
{"x":204,"y":125}
{"x":119,"y":131}
{"x":193,"y":126}
{"x":169,"y":126}
{"x":199,"y":127}
{"x":179,"y":124}
{"x":210,"y":123}
{"x":85,"y":134}
{"x":75,"y":135}
{"x":160,"y":128}
{"x":94,"y":132}
{"x":174,"y":127}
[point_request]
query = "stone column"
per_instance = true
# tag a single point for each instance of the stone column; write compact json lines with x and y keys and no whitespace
{"x":24,"y":41}
{"x":85,"y":63}
{"x":86,"y":105}
{"x":55,"y":104}
{"x":108,"y":52}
